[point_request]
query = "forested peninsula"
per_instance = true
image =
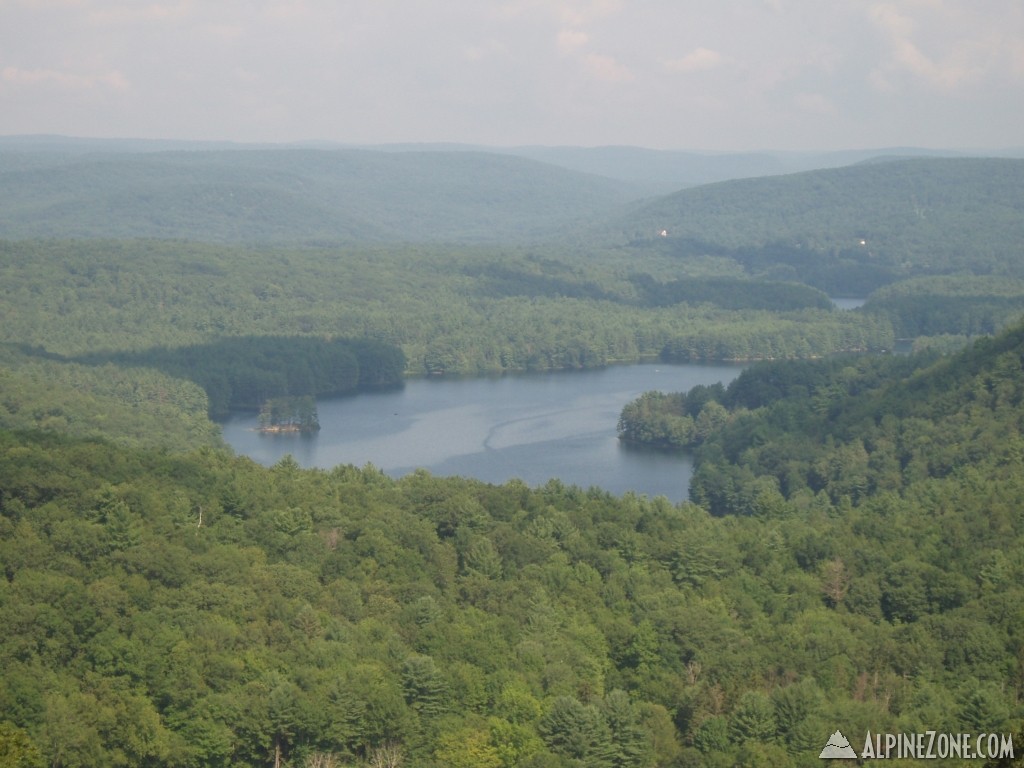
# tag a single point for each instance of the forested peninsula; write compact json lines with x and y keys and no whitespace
{"x":851,"y":557}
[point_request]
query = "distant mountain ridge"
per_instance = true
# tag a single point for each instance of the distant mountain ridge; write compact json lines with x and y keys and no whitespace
{"x":295,"y":195}
{"x":658,"y":171}
{"x":675,"y":169}
{"x":928,"y":215}
{"x":923,"y":207}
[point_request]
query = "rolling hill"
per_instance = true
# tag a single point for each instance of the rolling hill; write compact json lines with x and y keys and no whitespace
{"x":671,"y":170}
{"x":294,"y":195}
{"x":930,"y":214}
{"x":843,"y":230}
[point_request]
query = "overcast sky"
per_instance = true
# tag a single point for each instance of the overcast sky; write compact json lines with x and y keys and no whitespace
{"x":671,"y":74}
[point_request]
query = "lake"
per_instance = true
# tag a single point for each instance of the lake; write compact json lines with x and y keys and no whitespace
{"x":529,"y":426}
{"x":848,"y":304}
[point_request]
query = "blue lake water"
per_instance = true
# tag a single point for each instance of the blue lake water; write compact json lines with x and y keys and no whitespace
{"x":528,"y":426}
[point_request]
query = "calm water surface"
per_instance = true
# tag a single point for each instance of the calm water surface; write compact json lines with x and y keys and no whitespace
{"x":848,"y":303}
{"x":532,"y":426}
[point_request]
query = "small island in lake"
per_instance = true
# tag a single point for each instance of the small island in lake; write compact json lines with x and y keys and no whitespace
{"x":289,"y":415}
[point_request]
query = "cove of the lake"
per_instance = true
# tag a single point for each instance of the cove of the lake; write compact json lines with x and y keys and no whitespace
{"x":533,"y":427}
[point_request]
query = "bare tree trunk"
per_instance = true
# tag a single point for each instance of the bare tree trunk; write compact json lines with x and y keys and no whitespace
{"x":322,"y":760}
{"x":387,"y":755}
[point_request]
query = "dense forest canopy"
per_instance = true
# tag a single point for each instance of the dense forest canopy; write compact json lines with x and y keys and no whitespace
{"x":200,"y":610}
{"x":852,"y":556}
{"x":860,"y":227}
{"x":464,"y":310}
{"x":944,"y":212}
{"x":963,"y":305}
{"x":131,"y":407}
{"x":244,"y":372}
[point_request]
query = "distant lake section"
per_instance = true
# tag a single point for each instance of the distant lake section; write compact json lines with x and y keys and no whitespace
{"x":848,"y":303}
{"x":534,"y":427}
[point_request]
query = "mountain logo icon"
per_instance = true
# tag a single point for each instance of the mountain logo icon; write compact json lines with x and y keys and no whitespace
{"x":837,"y":747}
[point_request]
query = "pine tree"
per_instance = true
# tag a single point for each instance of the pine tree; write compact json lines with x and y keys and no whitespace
{"x":424,"y":686}
{"x":753,"y":718}
{"x":578,"y":731}
{"x":629,"y":741}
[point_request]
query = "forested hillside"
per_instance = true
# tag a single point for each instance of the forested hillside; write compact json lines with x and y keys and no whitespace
{"x":864,"y":572}
{"x":296,"y":196}
{"x":858,"y":227}
{"x":852,"y":558}
{"x":960,"y":306}
{"x":131,"y":407}
{"x":242,"y":373}
{"x":450,"y":311}
{"x":923,"y":215}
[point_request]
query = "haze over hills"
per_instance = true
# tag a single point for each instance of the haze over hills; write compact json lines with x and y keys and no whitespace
{"x":217,"y":192}
{"x":296,"y":195}
{"x":172,"y":604}
{"x":884,"y":220}
{"x":840,"y":206}
{"x":845,"y":230}
{"x":651,"y":171}
{"x":671,"y":170}
{"x":660,"y":171}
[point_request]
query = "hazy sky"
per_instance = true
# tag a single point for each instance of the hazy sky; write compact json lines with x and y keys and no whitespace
{"x":682,"y":74}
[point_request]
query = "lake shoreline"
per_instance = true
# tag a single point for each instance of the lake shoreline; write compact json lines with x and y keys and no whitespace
{"x":533,"y":426}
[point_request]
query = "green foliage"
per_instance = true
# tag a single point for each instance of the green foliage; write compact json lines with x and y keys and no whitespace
{"x":860,"y":566}
{"x":17,"y":749}
{"x":246,"y":372}
{"x":849,"y":230}
{"x":753,"y":719}
{"x":289,"y":414}
{"x":297,"y":195}
{"x":341,"y":613}
{"x":128,"y":406}
{"x":469,"y":748}
{"x":713,"y":735}
{"x":629,"y":740}
{"x":424,"y":687}
{"x":577,"y":731}
{"x":731,"y":293}
{"x":675,"y":420}
{"x":950,"y":309}
{"x":248,"y":324}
